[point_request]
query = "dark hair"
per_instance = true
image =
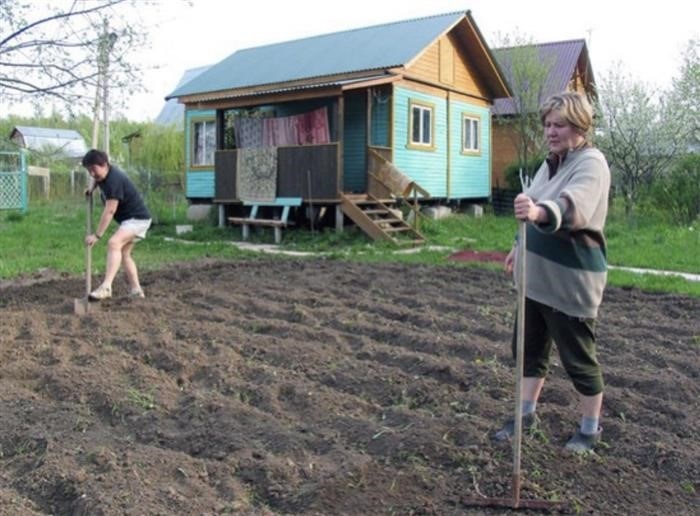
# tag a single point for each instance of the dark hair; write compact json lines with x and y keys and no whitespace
{"x":95,"y":157}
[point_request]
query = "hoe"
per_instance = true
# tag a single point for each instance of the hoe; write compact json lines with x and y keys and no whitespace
{"x":82,"y":306}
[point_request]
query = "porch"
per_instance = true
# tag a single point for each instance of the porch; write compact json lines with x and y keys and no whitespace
{"x":313,"y":174}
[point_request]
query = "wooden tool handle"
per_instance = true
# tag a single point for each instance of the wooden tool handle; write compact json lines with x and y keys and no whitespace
{"x":88,"y":249}
{"x":519,"y":358}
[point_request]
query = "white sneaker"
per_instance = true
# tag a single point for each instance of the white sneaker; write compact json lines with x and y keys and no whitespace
{"x":136,"y":292}
{"x":100,"y":293}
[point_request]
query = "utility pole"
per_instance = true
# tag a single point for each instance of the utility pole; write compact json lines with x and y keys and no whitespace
{"x":111,"y":38}
{"x":105,"y":45}
{"x":96,"y":105}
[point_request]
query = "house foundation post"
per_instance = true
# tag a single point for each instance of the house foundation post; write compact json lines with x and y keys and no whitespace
{"x":338,"y":218}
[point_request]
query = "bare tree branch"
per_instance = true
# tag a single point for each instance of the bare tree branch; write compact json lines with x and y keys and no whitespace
{"x":526,"y":71}
{"x":37,"y":43}
{"x":57,"y":53}
{"x":59,"y":16}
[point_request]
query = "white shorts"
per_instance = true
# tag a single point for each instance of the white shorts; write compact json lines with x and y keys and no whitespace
{"x":138,"y":227}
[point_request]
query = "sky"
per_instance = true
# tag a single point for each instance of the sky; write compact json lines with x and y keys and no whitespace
{"x":644,"y":39}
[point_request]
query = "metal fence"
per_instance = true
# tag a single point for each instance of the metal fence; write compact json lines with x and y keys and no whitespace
{"x":502,"y":200}
{"x":163,"y":192}
{"x":67,"y":184}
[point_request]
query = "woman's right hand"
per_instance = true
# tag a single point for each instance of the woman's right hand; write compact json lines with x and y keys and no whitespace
{"x":91,"y":239}
{"x":526,"y":210}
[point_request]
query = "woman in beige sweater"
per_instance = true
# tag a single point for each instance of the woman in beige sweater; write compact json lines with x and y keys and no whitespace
{"x":565,"y":208}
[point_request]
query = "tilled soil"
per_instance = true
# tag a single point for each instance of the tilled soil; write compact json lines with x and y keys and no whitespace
{"x":327,"y":387}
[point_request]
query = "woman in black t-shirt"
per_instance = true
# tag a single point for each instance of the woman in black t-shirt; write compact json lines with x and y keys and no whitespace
{"x":124,"y":204}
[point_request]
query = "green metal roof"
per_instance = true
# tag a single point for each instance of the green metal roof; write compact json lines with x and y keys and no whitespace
{"x":371,"y":48}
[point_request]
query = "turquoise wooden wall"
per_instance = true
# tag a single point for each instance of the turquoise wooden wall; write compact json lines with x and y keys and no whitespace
{"x":381,"y":118}
{"x":199,"y":183}
{"x":469,"y":175}
{"x":427,"y":167}
{"x":355,"y":143}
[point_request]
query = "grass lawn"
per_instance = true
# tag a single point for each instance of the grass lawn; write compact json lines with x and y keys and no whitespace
{"x":50,"y":236}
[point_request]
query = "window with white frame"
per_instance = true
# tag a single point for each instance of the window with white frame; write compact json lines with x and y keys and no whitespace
{"x":203,"y":142}
{"x":421,"y":125}
{"x":470,"y":134}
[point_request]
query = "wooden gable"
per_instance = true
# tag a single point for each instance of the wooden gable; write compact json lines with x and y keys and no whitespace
{"x":450,"y":63}
{"x":582,"y":80}
{"x":444,"y":64}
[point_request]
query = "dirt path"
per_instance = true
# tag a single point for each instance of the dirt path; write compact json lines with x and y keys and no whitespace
{"x":326,"y":387}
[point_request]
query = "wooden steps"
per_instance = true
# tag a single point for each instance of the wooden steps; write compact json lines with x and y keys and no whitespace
{"x":376,"y":219}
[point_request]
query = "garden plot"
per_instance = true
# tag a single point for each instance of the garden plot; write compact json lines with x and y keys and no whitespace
{"x":327,"y":387}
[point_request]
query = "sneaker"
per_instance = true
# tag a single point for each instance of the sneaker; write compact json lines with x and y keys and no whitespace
{"x":100,"y":293}
{"x":136,"y":292}
{"x":529,"y":422}
{"x":583,"y":443}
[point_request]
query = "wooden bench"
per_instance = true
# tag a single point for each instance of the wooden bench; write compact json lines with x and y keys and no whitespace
{"x":252,"y":220}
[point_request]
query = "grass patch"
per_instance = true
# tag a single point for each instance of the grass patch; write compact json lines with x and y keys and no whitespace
{"x":654,"y":283}
{"x":646,"y":242}
{"x":142,"y":400}
{"x":50,"y":236}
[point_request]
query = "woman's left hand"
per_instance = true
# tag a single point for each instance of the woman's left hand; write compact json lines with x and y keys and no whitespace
{"x":509,"y":261}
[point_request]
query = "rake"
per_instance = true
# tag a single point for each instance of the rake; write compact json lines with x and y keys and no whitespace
{"x":515,"y":502}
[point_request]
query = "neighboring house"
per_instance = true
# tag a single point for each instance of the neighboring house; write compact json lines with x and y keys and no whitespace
{"x":59,"y":142}
{"x":173,"y":113}
{"x":323,"y":114}
{"x":569,"y":69}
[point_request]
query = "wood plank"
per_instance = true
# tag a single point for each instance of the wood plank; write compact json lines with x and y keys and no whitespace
{"x":258,"y":222}
{"x":447,"y":61}
{"x":225,"y":174}
{"x":299,"y":164}
{"x":279,"y":201}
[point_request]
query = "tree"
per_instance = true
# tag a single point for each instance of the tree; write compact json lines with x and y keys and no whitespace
{"x":54,"y":54}
{"x":685,"y":94}
{"x":640,"y":132}
{"x":526,"y":70}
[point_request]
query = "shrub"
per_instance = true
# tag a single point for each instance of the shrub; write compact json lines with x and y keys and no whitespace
{"x":512,"y":172}
{"x":678,"y":193}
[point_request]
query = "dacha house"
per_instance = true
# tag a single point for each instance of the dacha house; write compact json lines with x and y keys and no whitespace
{"x":339,"y":121}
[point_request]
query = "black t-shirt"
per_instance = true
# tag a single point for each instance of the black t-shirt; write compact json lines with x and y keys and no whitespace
{"x":117,"y":185}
